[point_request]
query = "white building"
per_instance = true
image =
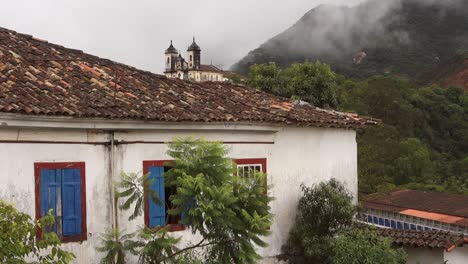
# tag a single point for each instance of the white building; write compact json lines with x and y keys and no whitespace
{"x":417,"y":210}
{"x":429,"y":247}
{"x":193,"y":70}
{"x":73,"y":120}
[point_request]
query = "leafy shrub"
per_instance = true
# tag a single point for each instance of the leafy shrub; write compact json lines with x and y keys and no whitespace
{"x":364,"y":246}
{"x":324,"y":231}
{"x":322,"y":212}
{"x":18,"y":240}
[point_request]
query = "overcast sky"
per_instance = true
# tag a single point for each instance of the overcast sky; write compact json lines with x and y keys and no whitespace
{"x":137,"y":32}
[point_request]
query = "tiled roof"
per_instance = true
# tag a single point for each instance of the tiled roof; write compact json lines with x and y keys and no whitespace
{"x":40,"y":78}
{"x":443,"y":207}
{"x":436,"y":202}
{"x":211,"y":68}
{"x":430,"y":239}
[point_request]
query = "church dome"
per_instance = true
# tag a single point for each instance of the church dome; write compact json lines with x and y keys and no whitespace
{"x":194,"y":46}
{"x":171,"y":49}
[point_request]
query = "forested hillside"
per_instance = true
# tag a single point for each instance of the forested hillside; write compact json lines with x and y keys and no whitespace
{"x":423,"y":141}
{"x":421,"y":40}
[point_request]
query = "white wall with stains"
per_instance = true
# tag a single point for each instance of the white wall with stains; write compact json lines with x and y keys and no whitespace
{"x":294,"y":156}
{"x":458,"y":256}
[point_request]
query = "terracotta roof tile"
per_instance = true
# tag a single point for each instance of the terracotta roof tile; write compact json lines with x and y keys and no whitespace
{"x":210,"y":68}
{"x":430,"y":239}
{"x":41,"y":78}
{"x":442,"y":207}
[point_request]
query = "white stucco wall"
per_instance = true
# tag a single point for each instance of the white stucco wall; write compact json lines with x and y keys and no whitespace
{"x":458,"y":256}
{"x":436,"y":256}
{"x":424,"y":255}
{"x":17,"y":180}
{"x":294,"y":156}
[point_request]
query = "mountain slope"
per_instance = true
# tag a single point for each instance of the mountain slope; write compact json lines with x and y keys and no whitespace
{"x":426,"y":41}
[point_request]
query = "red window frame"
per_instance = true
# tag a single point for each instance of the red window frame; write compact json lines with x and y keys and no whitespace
{"x":62,"y":165}
{"x":146,"y":165}
{"x":253,"y":161}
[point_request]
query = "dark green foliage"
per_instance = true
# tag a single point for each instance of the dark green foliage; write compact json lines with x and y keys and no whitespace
{"x":268,"y":78}
{"x":157,"y":246}
{"x":18,"y":239}
{"x":323,"y":211}
{"x":364,"y":246}
{"x":423,"y":142}
{"x":424,"y":42}
{"x":315,"y":82}
{"x":324,"y":232}
{"x":115,"y":243}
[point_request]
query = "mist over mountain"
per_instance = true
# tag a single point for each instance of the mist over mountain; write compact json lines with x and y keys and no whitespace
{"x":424,"y":40}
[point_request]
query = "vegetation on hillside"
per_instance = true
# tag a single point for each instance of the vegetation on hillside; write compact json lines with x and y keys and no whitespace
{"x":324,"y":231}
{"x":423,"y":141}
{"x":421,"y":41}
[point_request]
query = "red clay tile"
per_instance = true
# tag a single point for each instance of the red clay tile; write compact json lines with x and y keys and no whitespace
{"x":90,"y":91}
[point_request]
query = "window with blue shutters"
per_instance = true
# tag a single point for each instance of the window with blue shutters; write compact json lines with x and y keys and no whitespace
{"x":156,"y":214}
{"x":60,"y":189}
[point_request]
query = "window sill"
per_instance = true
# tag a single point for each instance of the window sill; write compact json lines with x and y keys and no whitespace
{"x":171,"y":227}
{"x":77,"y":238}
{"x":66,"y":239}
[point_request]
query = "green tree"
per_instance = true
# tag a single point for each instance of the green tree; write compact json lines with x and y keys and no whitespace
{"x":364,"y":246}
{"x":413,"y":163}
{"x":230,"y":213}
{"x":268,"y":77}
{"x":322,"y":212}
{"x":115,"y":244}
{"x":313,"y":82}
{"x":424,"y":138}
{"x":18,"y":240}
{"x":324,"y":231}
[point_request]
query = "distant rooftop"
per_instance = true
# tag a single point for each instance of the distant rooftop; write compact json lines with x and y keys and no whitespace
{"x":443,"y":207}
{"x":428,"y":239}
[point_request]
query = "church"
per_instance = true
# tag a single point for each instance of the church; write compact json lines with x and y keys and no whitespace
{"x":192,"y":70}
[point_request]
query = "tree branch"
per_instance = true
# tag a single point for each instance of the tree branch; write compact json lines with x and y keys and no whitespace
{"x":198,"y":245}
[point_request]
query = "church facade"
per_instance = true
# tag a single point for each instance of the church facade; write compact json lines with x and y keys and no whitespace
{"x":191,"y":69}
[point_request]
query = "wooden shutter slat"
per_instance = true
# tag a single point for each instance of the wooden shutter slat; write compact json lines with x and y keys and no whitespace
{"x":50,"y":183}
{"x":71,"y":202}
{"x":157,"y":213}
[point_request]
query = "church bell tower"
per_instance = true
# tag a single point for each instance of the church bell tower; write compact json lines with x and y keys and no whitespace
{"x":194,"y":55}
{"x":170,"y":58}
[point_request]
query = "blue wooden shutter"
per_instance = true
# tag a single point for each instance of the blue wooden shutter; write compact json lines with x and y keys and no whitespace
{"x":71,"y":202}
{"x":157,"y":213}
{"x":50,"y":185}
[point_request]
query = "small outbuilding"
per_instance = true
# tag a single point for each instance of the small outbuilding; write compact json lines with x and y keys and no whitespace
{"x":429,"y":247}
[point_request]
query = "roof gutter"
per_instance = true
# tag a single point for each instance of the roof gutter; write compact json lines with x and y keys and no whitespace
{"x":36,"y":121}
